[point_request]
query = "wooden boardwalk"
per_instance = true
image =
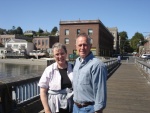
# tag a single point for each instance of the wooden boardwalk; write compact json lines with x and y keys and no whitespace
{"x":128,"y":91}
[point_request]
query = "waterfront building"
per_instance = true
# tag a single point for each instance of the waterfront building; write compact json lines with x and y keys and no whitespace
{"x":101,"y":37}
{"x":18,"y":47}
{"x":44,"y":43}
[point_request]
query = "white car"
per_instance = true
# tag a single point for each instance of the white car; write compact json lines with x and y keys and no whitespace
{"x":145,"y":55}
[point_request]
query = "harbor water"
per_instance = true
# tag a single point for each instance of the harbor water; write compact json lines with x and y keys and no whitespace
{"x":13,"y":71}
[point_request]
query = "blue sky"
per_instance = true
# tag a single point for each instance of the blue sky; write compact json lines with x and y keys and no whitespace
{"x":127,"y":15}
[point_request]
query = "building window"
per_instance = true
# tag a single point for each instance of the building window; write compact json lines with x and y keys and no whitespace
{"x":15,"y":46}
{"x":35,"y":42}
{"x":42,"y":42}
{"x":9,"y":45}
{"x":67,"y":32}
{"x":90,"y":31}
{"x":91,"y":41}
{"x":66,"y":40}
{"x":78,"y":31}
{"x":38,"y":42}
{"x":46,"y":42}
{"x":22,"y":46}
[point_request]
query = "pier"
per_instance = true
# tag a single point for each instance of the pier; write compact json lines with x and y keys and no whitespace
{"x":128,"y":90}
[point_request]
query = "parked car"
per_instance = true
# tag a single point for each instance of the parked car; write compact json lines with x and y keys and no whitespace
{"x":145,"y":56}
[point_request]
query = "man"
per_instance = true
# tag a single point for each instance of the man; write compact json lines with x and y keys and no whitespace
{"x":119,"y":59}
{"x":89,"y":79}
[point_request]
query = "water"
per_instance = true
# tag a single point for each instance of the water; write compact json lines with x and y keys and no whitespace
{"x":12,"y":71}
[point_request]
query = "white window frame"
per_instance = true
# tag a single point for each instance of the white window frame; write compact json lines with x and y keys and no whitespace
{"x":66,"y":40}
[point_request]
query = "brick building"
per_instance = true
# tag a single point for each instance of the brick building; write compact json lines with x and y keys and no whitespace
{"x":44,"y":42}
{"x":101,"y":37}
{"x":114,"y":32}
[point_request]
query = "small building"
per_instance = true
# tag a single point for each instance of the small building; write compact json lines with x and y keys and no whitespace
{"x":5,"y":38}
{"x":18,"y":47}
{"x":45,"y":43}
{"x":29,"y":33}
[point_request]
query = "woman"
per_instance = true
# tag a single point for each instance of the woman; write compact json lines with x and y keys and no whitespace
{"x":56,"y":81}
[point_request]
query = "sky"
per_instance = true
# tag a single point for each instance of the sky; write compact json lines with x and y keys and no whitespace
{"x":130,"y":16}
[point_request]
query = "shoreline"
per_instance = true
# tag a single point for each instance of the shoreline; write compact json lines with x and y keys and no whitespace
{"x":25,"y":61}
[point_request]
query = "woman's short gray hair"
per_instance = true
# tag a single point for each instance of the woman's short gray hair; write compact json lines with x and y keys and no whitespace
{"x":59,"y":46}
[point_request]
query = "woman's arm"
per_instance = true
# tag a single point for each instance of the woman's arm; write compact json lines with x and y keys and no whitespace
{"x":44,"y":100}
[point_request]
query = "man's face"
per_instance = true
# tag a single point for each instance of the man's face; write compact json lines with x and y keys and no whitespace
{"x":83,"y":48}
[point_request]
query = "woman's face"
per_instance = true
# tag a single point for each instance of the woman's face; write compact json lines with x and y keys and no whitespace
{"x":60,"y":55}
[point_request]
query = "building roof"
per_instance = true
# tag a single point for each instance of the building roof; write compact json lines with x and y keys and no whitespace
{"x":7,"y":36}
{"x":81,"y":22}
{"x":16,"y":40}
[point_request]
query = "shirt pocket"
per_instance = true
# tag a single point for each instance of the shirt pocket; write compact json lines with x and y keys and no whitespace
{"x":85,"y":78}
{"x":75,"y":78}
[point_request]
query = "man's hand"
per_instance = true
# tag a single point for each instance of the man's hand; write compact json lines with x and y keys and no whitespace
{"x":99,"y":111}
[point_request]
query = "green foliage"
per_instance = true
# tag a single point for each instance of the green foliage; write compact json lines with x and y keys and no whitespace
{"x":137,"y":40}
{"x":54,"y":30}
{"x":2,"y":31}
{"x":124,"y":43}
{"x":19,"y":31}
{"x":40,"y":31}
{"x":15,"y":31}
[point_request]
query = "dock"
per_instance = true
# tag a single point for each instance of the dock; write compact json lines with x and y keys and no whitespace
{"x":128,"y":90}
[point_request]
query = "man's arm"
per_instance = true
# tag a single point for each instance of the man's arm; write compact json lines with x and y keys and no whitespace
{"x":99,"y":87}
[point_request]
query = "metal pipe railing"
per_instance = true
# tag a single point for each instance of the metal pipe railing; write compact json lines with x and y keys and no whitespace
{"x":22,"y":92}
{"x":144,"y":66}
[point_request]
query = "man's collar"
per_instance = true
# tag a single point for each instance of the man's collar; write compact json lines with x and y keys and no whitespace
{"x":87,"y":57}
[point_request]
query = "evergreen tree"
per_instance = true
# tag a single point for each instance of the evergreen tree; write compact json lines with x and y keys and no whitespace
{"x":54,"y":31}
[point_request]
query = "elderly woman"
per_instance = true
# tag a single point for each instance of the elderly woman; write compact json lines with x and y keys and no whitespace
{"x":56,"y":83}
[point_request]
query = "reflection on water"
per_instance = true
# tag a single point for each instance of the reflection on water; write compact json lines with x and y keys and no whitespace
{"x":15,"y":70}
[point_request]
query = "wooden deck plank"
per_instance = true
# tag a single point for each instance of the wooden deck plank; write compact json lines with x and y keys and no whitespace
{"x":128,"y":91}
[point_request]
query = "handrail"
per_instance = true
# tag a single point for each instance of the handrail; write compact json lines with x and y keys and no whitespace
{"x":22,"y":92}
{"x":144,"y":66}
{"x":17,"y":93}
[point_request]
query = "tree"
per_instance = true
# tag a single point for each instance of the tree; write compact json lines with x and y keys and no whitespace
{"x":124,"y":43}
{"x":2,"y":31}
{"x":12,"y":31}
{"x":54,"y":30}
{"x":40,"y":31}
{"x":13,"y":27}
{"x":19,"y":31}
{"x":137,"y":40}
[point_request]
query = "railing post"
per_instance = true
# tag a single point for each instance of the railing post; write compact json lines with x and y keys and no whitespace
{"x":127,"y":60}
{"x":14,"y":99}
{"x":1,"y":105}
{"x":6,"y":99}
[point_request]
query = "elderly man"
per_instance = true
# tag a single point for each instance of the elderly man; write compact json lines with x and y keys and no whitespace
{"x":89,"y":79}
